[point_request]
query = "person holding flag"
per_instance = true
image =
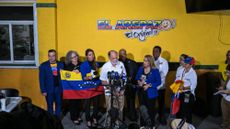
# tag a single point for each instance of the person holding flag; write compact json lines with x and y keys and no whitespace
{"x":188,"y":78}
{"x":90,"y":72}
{"x":72,"y":64}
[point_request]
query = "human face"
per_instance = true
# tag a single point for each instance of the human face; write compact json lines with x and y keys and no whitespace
{"x":113,"y":58}
{"x":187,"y":66}
{"x":52,"y":57}
{"x":181,"y":61}
{"x":156,"y":53}
{"x":74,"y":58}
{"x":228,"y":58}
{"x":122,"y":55}
{"x":146,"y":63}
{"x":228,"y":73}
{"x":90,"y":56}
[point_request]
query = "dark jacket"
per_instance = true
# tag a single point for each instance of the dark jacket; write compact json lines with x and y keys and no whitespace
{"x":131,"y":70}
{"x":46,"y":78}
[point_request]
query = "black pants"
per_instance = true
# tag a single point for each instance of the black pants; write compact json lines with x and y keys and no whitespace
{"x":95,"y":101}
{"x":74,"y":109}
{"x":185,"y":110}
{"x":161,"y":103}
{"x":130,"y":94}
{"x":150,"y":105}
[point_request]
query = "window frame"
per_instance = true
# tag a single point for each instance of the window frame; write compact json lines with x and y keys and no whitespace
{"x":22,"y":63}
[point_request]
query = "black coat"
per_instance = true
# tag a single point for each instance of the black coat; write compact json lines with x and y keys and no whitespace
{"x":131,"y":70}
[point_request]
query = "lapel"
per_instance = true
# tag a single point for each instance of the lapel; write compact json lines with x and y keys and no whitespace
{"x":58,"y":67}
{"x":49,"y":68}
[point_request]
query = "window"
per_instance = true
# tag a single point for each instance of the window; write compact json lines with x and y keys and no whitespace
{"x":18,"y":44}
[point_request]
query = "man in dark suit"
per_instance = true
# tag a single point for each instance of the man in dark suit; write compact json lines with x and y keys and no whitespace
{"x":130,"y":93}
{"x":50,"y":82}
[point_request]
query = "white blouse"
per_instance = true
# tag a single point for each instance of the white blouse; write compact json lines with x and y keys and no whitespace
{"x":189,"y":78}
{"x":227,"y":96}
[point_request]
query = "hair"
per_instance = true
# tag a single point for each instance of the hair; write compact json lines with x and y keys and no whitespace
{"x":52,"y":50}
{"x":122,"y":50}
{"x":68,"y":56}
{"x":87,"y":52}
{"x":109,"y":53}
{"x":157,"y":47}
{"x":150,"y":60}
{"x":184,"y":56}
{"x":226,"y":61}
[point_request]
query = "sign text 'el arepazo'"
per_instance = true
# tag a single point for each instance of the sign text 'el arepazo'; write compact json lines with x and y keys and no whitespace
{"x":140,"y":29}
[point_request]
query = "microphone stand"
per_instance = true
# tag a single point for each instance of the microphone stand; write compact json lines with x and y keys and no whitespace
{"x":113,"y":112}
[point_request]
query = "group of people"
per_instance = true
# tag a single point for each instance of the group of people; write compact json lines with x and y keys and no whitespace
{"x":51,"y":87}
{"x":147,"y":82}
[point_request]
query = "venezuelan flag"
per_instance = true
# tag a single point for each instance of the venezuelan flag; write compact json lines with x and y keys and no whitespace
{"x":75,"y":88}
{"x":175,"y":87}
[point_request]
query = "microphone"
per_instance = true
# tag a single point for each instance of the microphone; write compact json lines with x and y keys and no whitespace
{"x":109,"y":75}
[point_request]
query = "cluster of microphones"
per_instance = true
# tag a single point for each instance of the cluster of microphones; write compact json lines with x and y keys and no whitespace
{"x":116,"y":79}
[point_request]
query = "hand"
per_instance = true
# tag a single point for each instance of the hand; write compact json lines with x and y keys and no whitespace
{"x":76,"y":71}
{"x":44,"y":94}
{"x":159,"y":87}
{"x":224,"y":91}
{"x":122,"y":92}
{"x":181,"y":87}
{"x":140,"y":83}
{"x":228,"y":73}
{"x":117,"y":93}
{"x":220,"y":88}
{"x":146,"y":87}
{"x":90,"y":78}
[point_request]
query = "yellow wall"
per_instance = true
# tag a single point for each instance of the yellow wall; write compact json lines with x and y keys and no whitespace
{"x":46,"y":31}
{"x":26,"y":80}
{"x":195,"y":34}
{"x":73,"y":25}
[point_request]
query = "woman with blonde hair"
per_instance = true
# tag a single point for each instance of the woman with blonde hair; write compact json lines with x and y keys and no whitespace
{"x":148,"y":78}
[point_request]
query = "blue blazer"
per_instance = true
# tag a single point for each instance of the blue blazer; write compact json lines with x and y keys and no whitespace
{"x":86,"y":68}
{"x":154,"y":78}
{"x":46,"y":77}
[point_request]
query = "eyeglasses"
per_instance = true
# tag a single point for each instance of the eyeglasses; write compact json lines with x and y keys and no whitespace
{"x":73,"y":57}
